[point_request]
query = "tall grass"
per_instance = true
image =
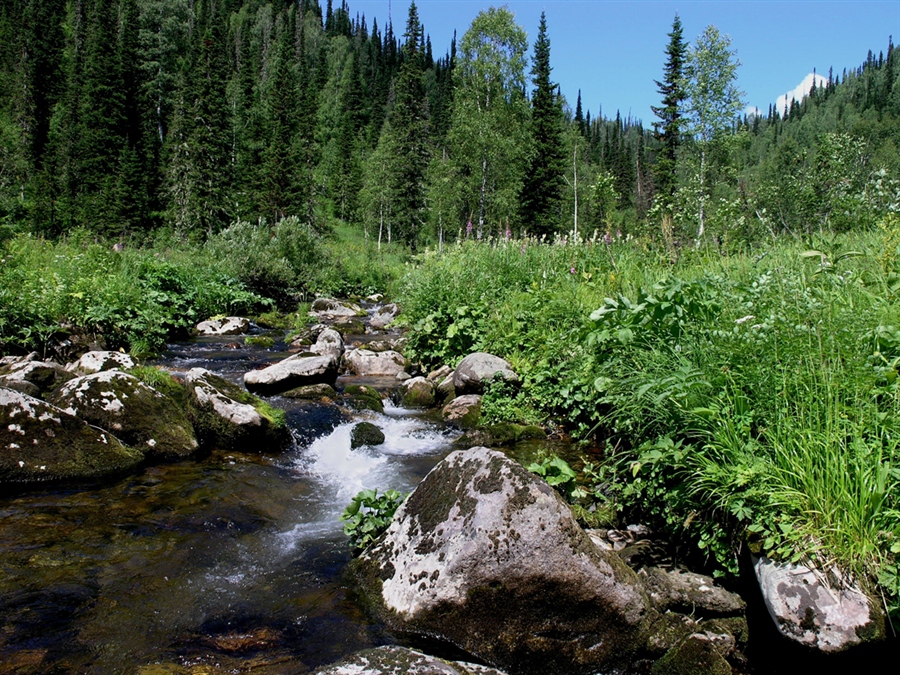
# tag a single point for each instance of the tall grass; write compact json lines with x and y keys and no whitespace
{"x":747,"y":398}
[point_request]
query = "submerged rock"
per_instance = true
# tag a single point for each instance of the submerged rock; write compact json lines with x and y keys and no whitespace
{"x":393,"y":660}
{"x":487,"y":556}
{"x":129,"y":409}
{"x":95,"y":362}
{"x":226,"y":416}
{"x":40,"y":442}
{"x":364,"y":362}
{"x":295,"y":371}
{"x":477,"y":370}
{"x":826,"y":614}
{"x":366,"y":433}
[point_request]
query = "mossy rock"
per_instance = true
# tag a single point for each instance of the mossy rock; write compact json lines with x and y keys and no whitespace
{"x":361,"y":397}
{"x":135,"y":413}
{"x":263,"y":341}
{"x":417,"y":392}
{"x":273,"y":320}
{"x":697,"y":655}
{"x":40,"y":442}
{"x":366,"y":433}
{"x":228,"y":417}
{"x":502,"y":434}
{"x":351,"y":326}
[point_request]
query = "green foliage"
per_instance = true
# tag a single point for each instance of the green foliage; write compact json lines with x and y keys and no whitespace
{"x":749,"y":398}
{"x":135,"y":299}
{"x":368,"y":516}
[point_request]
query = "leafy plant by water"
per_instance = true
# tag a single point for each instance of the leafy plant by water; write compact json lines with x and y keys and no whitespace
{"x":368,"y":516}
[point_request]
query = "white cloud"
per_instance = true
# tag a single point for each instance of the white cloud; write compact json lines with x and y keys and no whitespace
{"x":798,"y":93}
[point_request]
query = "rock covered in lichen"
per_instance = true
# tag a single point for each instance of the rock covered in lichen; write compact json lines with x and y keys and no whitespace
{"x":328,"y":343}
{"x":226,"y":416}
{"x":828,"y":614}
{"x":129,"y":409}
{"x":487,"y":556}
{"x":33,"y":377}
{"x":394,"y":660}
{"x":476,"y":370}
{"x":40,"y":442}
{"x":295,"y":371}
{"x":365,"y":362}
{"x":97,"y":361}
{"x":227,"y":325}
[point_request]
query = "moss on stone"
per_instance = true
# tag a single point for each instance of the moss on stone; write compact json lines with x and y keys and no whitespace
{"x":263,"y":341}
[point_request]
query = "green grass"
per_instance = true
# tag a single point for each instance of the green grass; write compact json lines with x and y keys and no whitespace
{"x":745,"y":398}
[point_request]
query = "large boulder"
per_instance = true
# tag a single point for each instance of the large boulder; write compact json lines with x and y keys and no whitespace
{"x":34,"y":377}
{"x":384,"y":316}
{"x":226,"y":416}
{"x":40,"y":442}
{"x":477,"y":370}
{"x":828,"y":614}
{"x":487,"y":556}
{"x":295,"y":371}
{"x":133,"y":412}
{"x":365,"y":362}
{"x":94,"y":362}
{"x":394,"y":660}
{"x":228,"y":325}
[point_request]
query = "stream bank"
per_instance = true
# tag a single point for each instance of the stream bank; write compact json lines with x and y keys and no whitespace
{"x":231,"y":561}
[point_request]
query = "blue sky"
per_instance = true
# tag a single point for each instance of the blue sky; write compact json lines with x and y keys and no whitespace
{"x":613,"y":50}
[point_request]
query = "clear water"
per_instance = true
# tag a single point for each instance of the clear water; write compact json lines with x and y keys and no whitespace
{"x":229,"y":562}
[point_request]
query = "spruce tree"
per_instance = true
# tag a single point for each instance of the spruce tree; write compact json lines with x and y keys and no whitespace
{"x":669,"y":128}
{"x":544,"y":179}
{"x":408,"y":125}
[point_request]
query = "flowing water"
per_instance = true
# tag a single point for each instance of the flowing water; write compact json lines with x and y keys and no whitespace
{"x":233,"y":561}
